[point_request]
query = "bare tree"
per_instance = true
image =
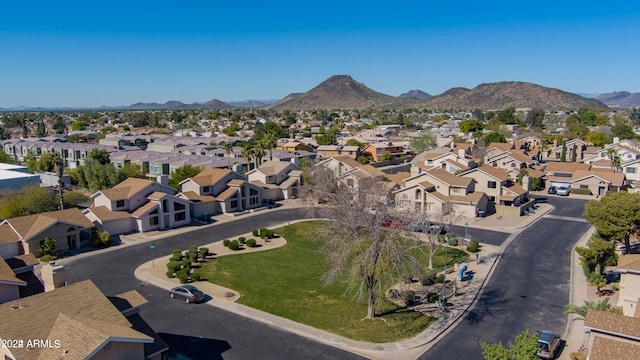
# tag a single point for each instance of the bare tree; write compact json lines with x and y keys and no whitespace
{"x":364,"y":240}
{"x":59,"y":169}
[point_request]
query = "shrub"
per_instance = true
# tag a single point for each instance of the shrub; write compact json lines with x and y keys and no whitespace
{"x":394,"y":294}
{"x":99,"y":238}
{"x":474,"y":247}
{"x":174,"y":265}
{"x":182,"y":275}
{"x":429,"y":277}
{"x":256,"y":232}
{"x":226,"y":242}
{"x":186,"y":263}
{"x":234,"y":245}
{"x":170,"y":274}
{"x":242,"y":240}
{"x":251,"y":243}
{"x":193,"y":250}
{"x":47,"y":258}
{"x":409,"y":297}
{"x":432,"y":297}
{"x":176,"y":257}
{"x":48,"y":247}
{"x":587,"y":269}
{"x":440,"y":279}
{"x":195,"y":276}
{"x":453,"y":242}
{"x":581,"y":191}
{"x":266,"y":233}
{"x":577,"y":356}
{"x":203,"y":252}
{"x":193,"y":257}
{"x":176,"y":252}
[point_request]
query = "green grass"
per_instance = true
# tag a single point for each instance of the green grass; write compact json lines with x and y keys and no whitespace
{"x":287,"y":282}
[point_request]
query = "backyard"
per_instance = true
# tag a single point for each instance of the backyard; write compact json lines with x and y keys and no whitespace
{"x":287,"y":282}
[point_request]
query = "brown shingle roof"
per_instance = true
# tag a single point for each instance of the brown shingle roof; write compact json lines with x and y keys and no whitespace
{"x":128,"y":300}
{"x":612,"y":323}
{"x":156,"y":195}
{"x":399,"y":177}
{"x":210,"y":176}
{"x":565,"y":167}
{"x":227,"y":193}
{"x":610,"y":349}
{"x":498,"y":173}
{"x":193,"y":196}
{"x":7,"y":235}
{"x":8,"y":276}
{"x":103,"y":213}
{"x":126,"y":188}
{"x":449,"y":178}
{"x":30,"y":225}
{"x":235,"y":182}
{"x":78,"y":315}
{"x":21,"y":261}
{"x":144,"y":208}
{"x":273,"y":167}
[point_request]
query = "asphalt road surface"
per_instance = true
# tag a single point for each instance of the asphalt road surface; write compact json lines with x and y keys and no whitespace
{"x":528,"y":289}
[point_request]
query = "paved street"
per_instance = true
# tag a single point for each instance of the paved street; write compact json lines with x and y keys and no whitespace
{"x":528,"y":288}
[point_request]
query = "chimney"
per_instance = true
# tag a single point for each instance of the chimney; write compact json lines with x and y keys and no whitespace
{"x":526,"y":182}
{"x":452,"y":145}
{"x":461,"y":153}
{"x":555,"y":142}
{"x":295,"y":161}
{"x":163,"y":179}
{"x":616,"y":139}
{"x":53,"y":276}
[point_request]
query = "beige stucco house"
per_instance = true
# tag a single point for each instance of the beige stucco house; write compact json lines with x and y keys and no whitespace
{"x":69,"y":227}
{"x":611,"y":336}
{"x":629,"y":269}
{"x":138,"y":205}
{"x":431,"y":190}
{"x":453,"y":160}
{"x":279,"y":180}
{"x":79,"y":322}
{"x":215,"y":191}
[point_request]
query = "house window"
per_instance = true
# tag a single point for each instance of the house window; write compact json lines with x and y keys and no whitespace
{"x":180,"y":216}
{"x":491,"y":184}
{"x":429,"y":162}
{"x":253,"y":192}
{"x":156,"y":169}
{"x":177,"y":206}
{"x":119,"y":203}
{"x":153,"y":220}
{"x":584,"y":186}
{"x":206,"y":189}
{"x":557,"y":154}
{"x":630,"y":170}
{"x":456,"y":190}
{"x":513,"y":165}
{"x":234,"y":204}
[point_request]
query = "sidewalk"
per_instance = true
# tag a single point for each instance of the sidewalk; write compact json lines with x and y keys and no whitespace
{"x":467,"y":294}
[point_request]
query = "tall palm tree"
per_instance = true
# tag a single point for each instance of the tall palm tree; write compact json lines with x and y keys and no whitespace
{"x":247,"y":154}
{"x":269,"y":141}
{"x":59,"y":169}
{"x":612,"y":152}
{"x":581,"y":311}
{"x":228,"y":148}
{"x":258,"y":154}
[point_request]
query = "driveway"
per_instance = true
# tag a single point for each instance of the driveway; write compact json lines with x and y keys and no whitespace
{"x":528,"y":289}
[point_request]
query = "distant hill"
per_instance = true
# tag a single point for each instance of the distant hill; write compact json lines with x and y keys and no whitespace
{"x":416,"y":94}
{"x":249,"y":104}
{"x":623,"y":99}
{"x":501,"y":95}
{"x":337,"y":92}
{"x":211,"y":104}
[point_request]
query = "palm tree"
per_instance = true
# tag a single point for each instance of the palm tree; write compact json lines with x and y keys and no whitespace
{"x":258,"y":154}
{"x":581,"y":311}
{"x":269,"y":141}
{"x":228,"y":148}
{"x":612,"y":152}
{"x":247,"y":154}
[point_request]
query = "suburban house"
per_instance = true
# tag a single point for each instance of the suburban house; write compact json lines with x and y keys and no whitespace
{"x":499,"y":188}
{"x":17,"y":278}
{"x":377,"y":150}
{"x":450,"y":159}
{"x":328,"y":151}
{"x":629,"y":269}
{"x":348,"y":170}
{"x":23,"y":234}
{"x":554,"y":153}
{"x":584,"y":176}
{"x":279,"y":180}
{"x":79,"y":322}
{"x":611,"y":336}
{"x":9,"y":283}
{"x":294,"y":145}
{"x":215,"y":191}
{"x":429,"y":191}
{"x":138,"y":205}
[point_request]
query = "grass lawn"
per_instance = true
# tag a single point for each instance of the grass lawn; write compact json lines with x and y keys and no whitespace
{"x":287,"y":282}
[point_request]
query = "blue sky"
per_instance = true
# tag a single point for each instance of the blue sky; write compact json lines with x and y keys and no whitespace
{"x":93,"y":53}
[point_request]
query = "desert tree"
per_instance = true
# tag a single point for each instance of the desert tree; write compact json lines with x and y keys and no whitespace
{"x":423,"y":142}
{"x":358,"y":245}
{"x":615,"y":216}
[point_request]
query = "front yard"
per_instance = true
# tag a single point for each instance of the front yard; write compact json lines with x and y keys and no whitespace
{"x":287,"y":282}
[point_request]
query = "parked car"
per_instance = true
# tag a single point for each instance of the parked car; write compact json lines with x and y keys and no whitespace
{"x":552,"y":190}
{"x":425,"y":226}
{"x":548,"y":344}
{"x":563,"y":190}
{"x":391,"y":222}
{"x":188,"y":293}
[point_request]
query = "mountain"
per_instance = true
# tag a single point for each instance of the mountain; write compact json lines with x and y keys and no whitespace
{"x":501,"y":95}
{"x":416,"y":94}
{"x":211,"y":104}
{"x":623,"y":99}
{"x":337,"y":92}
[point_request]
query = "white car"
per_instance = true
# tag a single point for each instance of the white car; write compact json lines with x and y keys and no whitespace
{"x":563,"y":190}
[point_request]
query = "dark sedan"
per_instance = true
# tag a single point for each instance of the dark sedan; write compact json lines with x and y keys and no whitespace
{"x":188,"y":293}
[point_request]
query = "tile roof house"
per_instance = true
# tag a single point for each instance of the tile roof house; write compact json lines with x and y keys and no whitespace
{"x":279,"y":180}
{"x":377,"y":150}
{"x":22,"y":235}
{"x":328,"y":151}
{"x":495,"y":182}
{"x":451,"y":160}
{"x":348,"y":171}
{"x":215,"y":191}
{"x":429,"y":191}
{"x":138,"y":205}
{"x":612,"y":336}
{"x":79,"y":322}
{"x":629,"y":269}
{"x":583,"y":176}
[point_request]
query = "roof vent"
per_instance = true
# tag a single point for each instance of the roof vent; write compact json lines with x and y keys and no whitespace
{"x":16,"y":307}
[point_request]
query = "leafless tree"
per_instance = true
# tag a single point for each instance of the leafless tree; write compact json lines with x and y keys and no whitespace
{"x":364,"y":240}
